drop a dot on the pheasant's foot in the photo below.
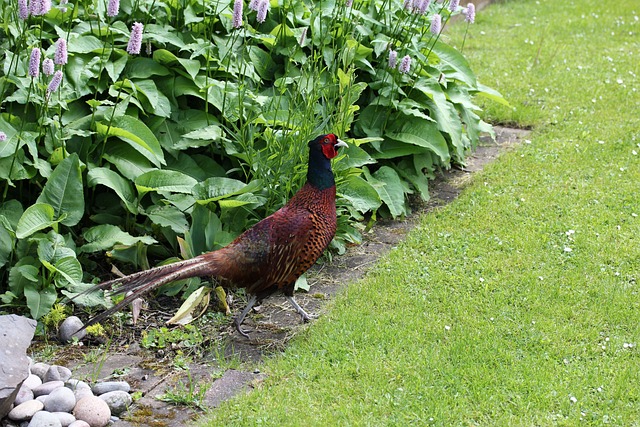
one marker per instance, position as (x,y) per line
(306,317)
(238,321)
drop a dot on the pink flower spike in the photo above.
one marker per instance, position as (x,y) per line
(424,4)
(453,5)
(237,13)
(23,9)
(408,4)
(47,67)
(436,24)
(349,3)
(135,39)
(393,58)
(40,7)
(405,64)
(470,13)
(60,57)
(63,8)
(34,62)
(113,7)
(54,84)
(3,136)
(263,8)
(253,5)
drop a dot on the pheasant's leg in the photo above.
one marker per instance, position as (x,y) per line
(240,318)
(305,316)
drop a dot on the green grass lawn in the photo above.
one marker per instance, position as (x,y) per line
(516,305)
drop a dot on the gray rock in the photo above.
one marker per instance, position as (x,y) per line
(93,410)
(16,333)
(32,381)
(25,411)
(79,423)
(118,401)
(82,392)
(65,418)
(69,329)
(47,388)
(107,386)
(42,398)
(24,395)
(75,384)
(60,400)
(44,419)
(57,373)
(40,369)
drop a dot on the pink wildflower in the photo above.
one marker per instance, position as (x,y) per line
(113,7)
(47,67)
(60,57)
(135,39)
(237,13)
(23,9)
(34,62)
(3,136)
(263,8)
(470,13)
(393,58)
(453,5)
(54,84)
(436,24)
(405,64)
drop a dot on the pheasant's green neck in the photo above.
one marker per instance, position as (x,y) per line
(319,173)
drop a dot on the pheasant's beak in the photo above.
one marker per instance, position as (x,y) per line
(340,143)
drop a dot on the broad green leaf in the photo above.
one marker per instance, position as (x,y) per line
(117,183)
(389,186)
(39,301)
(6,245)
(421,133)
(168,216)
(354,157)
(165,180)
(35,218)
(159,103)
(456,61)
(64,191)
(135,133)
(106,236)
(129,162)
(491,94)
(143,68)
(360,194)
(22,274)
(12,211)
(70,271)
(217,188)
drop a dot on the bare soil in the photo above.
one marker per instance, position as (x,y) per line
(227,363)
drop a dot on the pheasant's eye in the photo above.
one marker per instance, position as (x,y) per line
(326,141)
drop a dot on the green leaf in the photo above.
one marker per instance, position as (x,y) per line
(129,162)
(491,94)
(35,218)
(422,133)
(450,56)
(64,191)
(39,301)
(360,194)
(169,216)
(117,183)
(106,236)
(165,180)
(23,274)
(217,188)
(135,133)
(389,186)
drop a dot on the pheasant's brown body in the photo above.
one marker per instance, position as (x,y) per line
(268,257)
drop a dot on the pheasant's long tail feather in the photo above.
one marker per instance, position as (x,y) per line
(138,284)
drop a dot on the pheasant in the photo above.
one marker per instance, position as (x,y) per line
(268,257)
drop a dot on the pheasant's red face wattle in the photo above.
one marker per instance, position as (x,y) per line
(330,144)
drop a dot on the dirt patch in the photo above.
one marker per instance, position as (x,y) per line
(226,363)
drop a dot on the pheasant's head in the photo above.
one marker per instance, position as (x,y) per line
(329,145)
(321,151)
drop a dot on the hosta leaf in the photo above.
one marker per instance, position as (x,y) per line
(421,133)
(117,183)
(35,218)
(217,188)
(39,301)
(64,191)
(135,133)
(106,236)
(360,194)
(165,180)
(456,61)
(168,216)
(389,186)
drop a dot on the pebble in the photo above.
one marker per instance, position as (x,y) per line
(107,386)
(118,401)
(66,419)
(57,373)
(46,388)
(69,329)
(25,410)
(39,369)
(60,400)
(44,419)
(32,381)
(93,410)
(24,395)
